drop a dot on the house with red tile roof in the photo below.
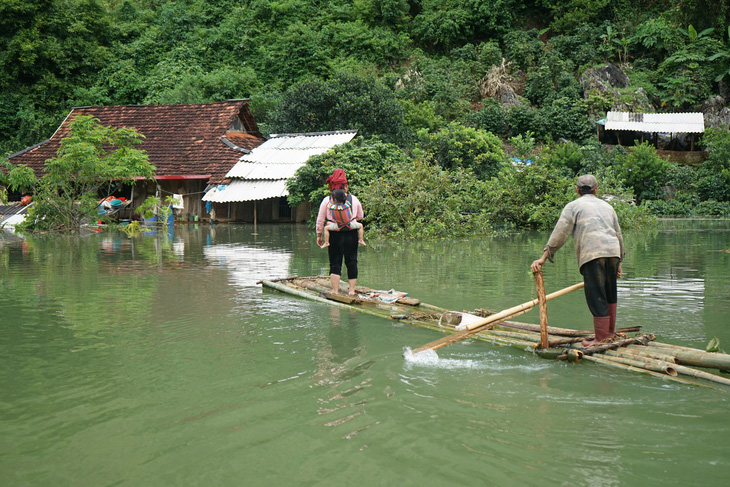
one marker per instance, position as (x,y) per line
(192,146)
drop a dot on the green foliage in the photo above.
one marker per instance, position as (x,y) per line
(523,48)
(582,47)
(522,118)
(645,171)
(225,83)
(490,118)
(452,84)
(687,74)
(49,49)
(420,200)
(363,160)
(682,205)
(529,196)
(442,25)
(723,54)
(569,14)
(565,118)
(523,146)
(564,155)
(713,176)
(656,37)
(343,102)
(383,12)
(420,116)
(457,146)
(149,206)
(91,158)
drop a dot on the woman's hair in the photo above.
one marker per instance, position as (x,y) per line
(338,195)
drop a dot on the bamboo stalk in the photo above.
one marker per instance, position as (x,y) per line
(632,353)
(563,331)
(647,363)
(542,308)
(678,347)
(533,338)
(605,361)
(646,351)
(697,358)
(681,369)
(701,374)
(290,290)
(602,347)
(565,341)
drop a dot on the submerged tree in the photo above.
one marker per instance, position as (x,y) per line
(90,158)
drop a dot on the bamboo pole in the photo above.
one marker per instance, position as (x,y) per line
(677,347)
(649,352)
(605,361)
(530,337)
(552,330)
(296,292)
(646,363)
(681,369)
(701,374)
(697,358)
(542,307)
(492,320)
(565,341)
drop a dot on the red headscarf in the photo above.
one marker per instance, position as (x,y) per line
(338,180)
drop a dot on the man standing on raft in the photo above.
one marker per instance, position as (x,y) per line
(599,247)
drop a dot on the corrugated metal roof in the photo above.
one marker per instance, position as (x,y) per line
(687,123)
(244,190)
(263,172)
(251,170)
(275,159)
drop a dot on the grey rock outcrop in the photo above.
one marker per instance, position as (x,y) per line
(604,79)
(716,112)
(608,81)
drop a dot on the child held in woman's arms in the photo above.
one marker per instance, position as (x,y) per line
(340,210)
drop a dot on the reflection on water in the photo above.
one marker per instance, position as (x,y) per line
(248,264)
(161,352)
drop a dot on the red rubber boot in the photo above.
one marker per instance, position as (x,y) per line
(600,327)
(612,321)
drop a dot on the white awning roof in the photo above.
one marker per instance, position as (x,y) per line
(247,190)
(262,173)
(664,123)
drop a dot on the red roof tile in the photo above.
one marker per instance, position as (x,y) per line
(181,140)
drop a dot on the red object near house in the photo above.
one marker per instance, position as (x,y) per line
(25,200)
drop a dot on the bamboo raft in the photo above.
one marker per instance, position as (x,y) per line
(630,349)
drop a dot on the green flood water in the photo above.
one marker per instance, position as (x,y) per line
(158,360)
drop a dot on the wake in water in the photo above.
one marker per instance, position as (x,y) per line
(429,358)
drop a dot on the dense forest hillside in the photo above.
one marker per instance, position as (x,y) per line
(434,58)
(414,74)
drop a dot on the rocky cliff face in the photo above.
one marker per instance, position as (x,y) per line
(716,112)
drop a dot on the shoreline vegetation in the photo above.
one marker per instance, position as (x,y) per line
(472,121)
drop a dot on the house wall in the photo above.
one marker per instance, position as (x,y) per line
(273,210)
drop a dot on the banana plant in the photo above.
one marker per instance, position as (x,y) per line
(725,56)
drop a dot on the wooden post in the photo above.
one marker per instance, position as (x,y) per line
(542,307)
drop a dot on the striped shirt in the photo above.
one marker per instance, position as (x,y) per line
(595,229)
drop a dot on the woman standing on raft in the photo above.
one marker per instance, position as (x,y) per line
(343,243)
